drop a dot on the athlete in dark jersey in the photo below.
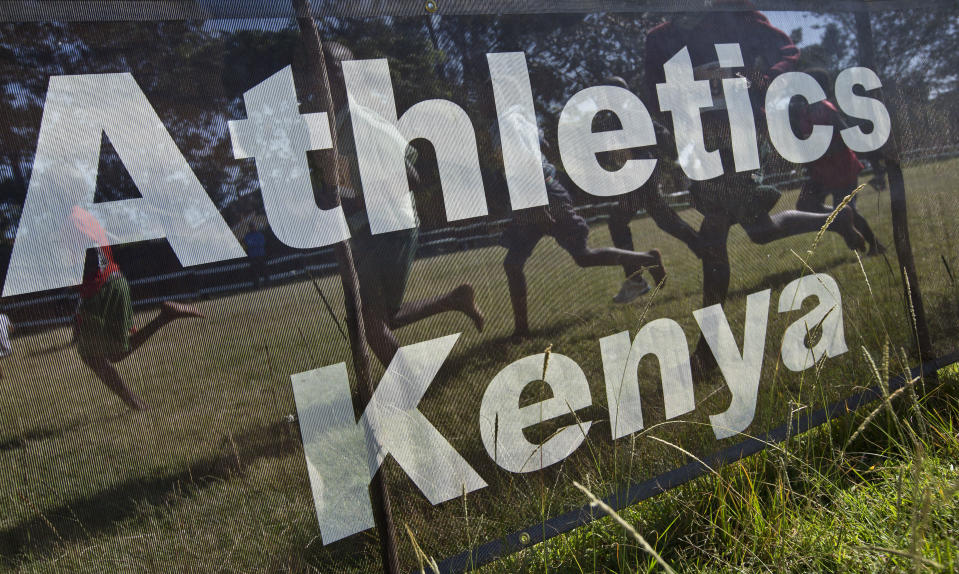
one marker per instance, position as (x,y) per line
(735,197)
(646,198)
(383,261)
(560,221)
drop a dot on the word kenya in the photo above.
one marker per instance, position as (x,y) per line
(342,454)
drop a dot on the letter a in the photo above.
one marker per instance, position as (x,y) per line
(78,111)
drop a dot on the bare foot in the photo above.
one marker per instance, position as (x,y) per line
(658,270)
(178,310)
(846,225)
(465,298)
(133,402)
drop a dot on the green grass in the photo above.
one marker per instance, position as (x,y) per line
(889,502)
(213,478)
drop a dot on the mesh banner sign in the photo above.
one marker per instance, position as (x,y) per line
(329,287)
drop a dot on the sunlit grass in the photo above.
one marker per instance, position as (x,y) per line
(214,476)
(889,502)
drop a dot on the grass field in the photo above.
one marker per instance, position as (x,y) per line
(878,492)
(213,477)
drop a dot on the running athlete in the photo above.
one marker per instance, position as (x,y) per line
(103,325)
(383,261)
(559,220)
(735,197)
(836,173)
(646,198)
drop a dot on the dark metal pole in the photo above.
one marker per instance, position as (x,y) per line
(319,85)
(897,198)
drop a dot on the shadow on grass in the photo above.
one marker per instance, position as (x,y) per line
(87,517)
(491,351)
(55,348)
(784,277)
(22,440)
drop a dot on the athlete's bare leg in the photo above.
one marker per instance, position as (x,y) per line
(619,232)
(516,281)
(169,312)
(379,335)
(662,214)
(669,221)
(788,223)
(102,366)
(714,233)
(811,201)
(606,256)
(380,325)
(106,372)
(462,299)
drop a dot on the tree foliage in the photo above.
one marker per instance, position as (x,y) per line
(194,73)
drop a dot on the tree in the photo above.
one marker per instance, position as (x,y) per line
(166,59)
